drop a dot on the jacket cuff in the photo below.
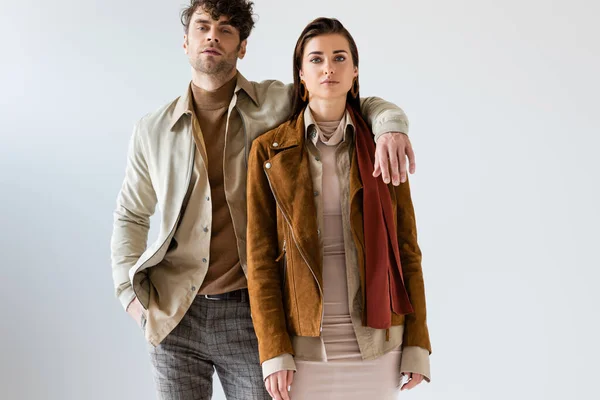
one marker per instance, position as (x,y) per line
(415,360)
(283,362)
(126,296)
(394,125)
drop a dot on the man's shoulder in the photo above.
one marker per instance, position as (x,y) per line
(271,90)
(159,118)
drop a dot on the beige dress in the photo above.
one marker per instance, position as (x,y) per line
(345,375)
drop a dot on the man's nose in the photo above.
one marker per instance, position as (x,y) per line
(213,36)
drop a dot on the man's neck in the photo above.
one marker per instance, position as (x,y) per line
(211,83)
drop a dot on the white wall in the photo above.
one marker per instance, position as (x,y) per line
(503,102)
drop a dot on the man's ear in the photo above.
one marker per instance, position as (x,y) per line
(242,51)
(185,44)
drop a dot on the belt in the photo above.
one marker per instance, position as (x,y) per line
(239,295)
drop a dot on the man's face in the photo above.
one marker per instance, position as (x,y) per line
(213,47)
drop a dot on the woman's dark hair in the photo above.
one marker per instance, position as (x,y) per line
(318,27)
(238,11)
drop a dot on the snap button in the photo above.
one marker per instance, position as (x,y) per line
(268,165)
(275,144)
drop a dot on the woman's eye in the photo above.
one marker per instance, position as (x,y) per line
(340,58)
(315,60)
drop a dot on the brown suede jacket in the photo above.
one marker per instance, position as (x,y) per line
(285,276)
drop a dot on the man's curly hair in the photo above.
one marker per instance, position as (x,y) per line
(240,13)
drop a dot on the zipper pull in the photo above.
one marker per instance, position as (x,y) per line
(282,252)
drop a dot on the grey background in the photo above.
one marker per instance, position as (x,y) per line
(503,102)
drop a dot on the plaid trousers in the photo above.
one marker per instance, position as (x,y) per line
(213,335)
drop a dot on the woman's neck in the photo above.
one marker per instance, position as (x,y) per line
(327,109)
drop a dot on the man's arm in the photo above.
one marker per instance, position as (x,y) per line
(136,203)
(388,122)
(383,116)
(390,127)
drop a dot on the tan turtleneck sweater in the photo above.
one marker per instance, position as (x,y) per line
(224,273)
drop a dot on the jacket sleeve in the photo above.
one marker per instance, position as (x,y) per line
(383,116)
(264,275)
(283,362)
(415,360)
(416,332)
(136,202)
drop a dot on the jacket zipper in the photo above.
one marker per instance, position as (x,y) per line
(300,251)
(284,256)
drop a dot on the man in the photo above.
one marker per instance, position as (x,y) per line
(188,289)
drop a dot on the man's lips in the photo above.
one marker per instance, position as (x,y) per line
(211,52)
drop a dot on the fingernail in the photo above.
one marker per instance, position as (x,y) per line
(396,182)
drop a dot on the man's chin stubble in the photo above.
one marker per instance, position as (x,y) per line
(214,70)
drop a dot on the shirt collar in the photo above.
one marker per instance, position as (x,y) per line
(185,103)
(311,129)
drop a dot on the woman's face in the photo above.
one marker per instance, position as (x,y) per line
(327,67)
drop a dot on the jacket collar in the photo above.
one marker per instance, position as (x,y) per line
(289,134)
(184,104)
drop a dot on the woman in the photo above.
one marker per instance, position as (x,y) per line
(334,268)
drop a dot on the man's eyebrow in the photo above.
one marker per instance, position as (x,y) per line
(205,21)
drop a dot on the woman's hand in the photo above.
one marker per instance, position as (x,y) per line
(413,380)
(277,384)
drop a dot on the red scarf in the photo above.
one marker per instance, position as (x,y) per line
(385,289)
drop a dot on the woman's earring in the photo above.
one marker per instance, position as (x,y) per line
(303,91)
(354,89)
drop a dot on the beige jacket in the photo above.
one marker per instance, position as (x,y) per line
(158,171)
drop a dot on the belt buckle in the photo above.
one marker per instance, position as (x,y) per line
(209,297)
